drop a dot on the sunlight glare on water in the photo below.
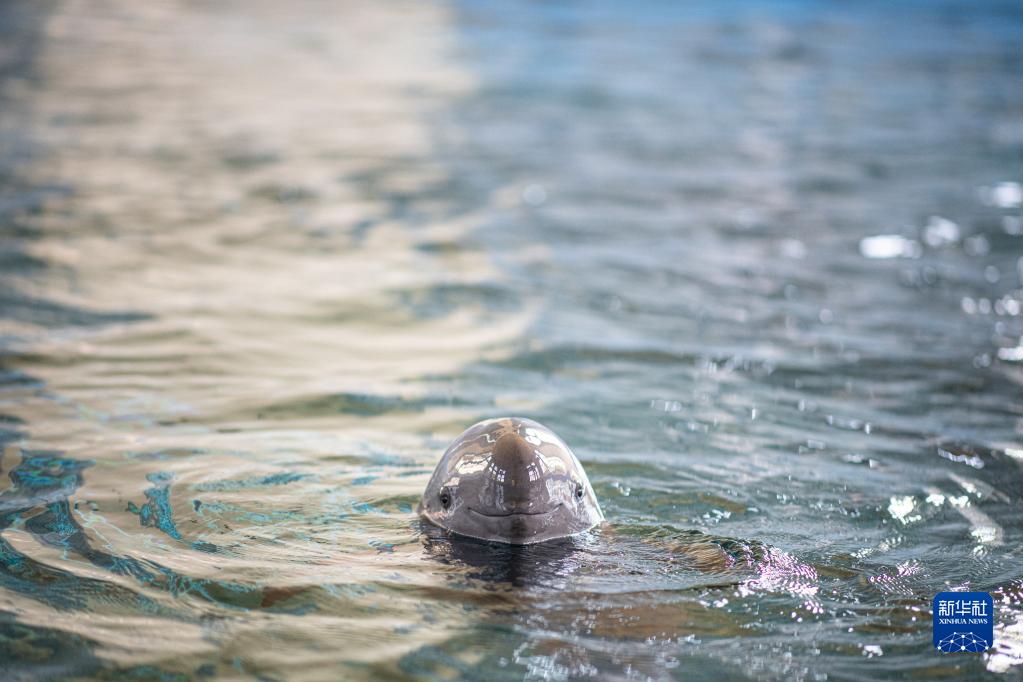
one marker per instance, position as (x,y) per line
(759,265)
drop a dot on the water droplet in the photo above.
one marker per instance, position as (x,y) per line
(1006,195)
(889,246)
(940,232)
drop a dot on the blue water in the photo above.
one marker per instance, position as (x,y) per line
(759,264)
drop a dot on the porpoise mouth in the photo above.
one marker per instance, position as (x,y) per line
(504,516)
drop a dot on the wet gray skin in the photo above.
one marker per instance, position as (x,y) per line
(510,480)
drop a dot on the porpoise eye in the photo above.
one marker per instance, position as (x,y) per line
(579,491)
(445,498)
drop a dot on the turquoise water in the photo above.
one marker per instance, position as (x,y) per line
(758,264)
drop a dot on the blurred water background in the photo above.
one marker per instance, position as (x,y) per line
(758,263)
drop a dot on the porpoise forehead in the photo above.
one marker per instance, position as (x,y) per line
(511,450)
(503,442)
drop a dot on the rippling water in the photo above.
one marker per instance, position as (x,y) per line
(759,264)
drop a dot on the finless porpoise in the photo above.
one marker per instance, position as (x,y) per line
(510,480)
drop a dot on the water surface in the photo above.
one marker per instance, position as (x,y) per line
(759,264)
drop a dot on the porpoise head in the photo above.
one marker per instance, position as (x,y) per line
(510,480)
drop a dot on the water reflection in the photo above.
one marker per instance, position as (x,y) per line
(760,266)
(584,605)
(548,565)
